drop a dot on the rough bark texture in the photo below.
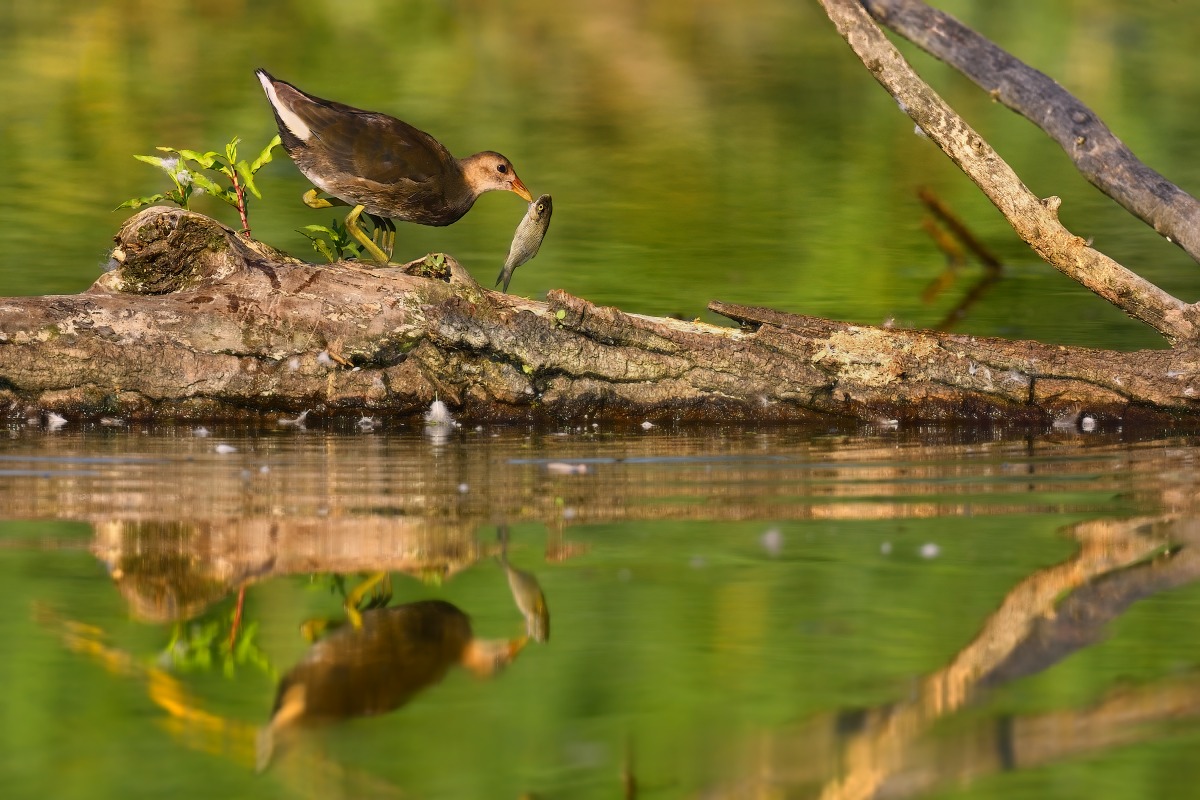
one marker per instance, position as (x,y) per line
(1099,155)
(196,321)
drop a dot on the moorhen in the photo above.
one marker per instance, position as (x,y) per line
(380,165)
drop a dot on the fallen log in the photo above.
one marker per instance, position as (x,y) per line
(195,321)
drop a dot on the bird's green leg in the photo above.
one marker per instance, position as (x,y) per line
(353,228)
(311,200)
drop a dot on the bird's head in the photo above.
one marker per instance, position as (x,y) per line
(489,172)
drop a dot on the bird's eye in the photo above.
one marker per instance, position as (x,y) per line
(502,168)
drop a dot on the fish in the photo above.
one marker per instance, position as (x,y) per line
(528,237)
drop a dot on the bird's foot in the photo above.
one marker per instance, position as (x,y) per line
(311,199)
(355,230)
(383,233)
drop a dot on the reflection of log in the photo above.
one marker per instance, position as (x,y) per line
(175,571)
(196,321)
(341,480)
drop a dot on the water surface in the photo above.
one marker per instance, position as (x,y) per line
(731,613)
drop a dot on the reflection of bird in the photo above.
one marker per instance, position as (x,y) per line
(528,237)
(380,165)
(379,667)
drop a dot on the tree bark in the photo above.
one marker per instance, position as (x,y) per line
(195,322)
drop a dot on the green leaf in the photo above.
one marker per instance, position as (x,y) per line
(162,163)
(322,247)
(209,185)
(243,169)
(266,155)
(205,160)
(138,202)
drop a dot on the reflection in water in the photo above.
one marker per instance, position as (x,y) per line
(527,594)
(889,752)
(380,666)
(157,568)
(423,518)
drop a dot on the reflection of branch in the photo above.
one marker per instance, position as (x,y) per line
(956,226)
(884,752)
(1034,220)
(1100,156)
(886,743)
(1113,545)
(946,241)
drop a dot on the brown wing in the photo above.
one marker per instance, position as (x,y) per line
(366,144)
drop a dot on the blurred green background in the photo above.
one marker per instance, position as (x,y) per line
(695,151)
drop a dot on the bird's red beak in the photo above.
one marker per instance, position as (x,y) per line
(520,189)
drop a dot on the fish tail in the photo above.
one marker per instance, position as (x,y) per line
(506,276)
(265,747)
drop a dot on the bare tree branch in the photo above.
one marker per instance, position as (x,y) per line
(1035,220)
(1100,156)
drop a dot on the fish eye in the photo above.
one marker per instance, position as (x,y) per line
(502,168)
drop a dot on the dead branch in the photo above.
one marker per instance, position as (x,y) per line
(1035,220)
(1102,158)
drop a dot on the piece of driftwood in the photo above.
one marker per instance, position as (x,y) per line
(195,321)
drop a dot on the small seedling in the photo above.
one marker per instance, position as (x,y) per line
(185,168)
(334,242)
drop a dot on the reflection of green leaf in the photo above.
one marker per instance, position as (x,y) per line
(203,645)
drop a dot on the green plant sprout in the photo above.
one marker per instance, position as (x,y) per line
(334,242)
(185,170)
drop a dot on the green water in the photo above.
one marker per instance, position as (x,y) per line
(731,613)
